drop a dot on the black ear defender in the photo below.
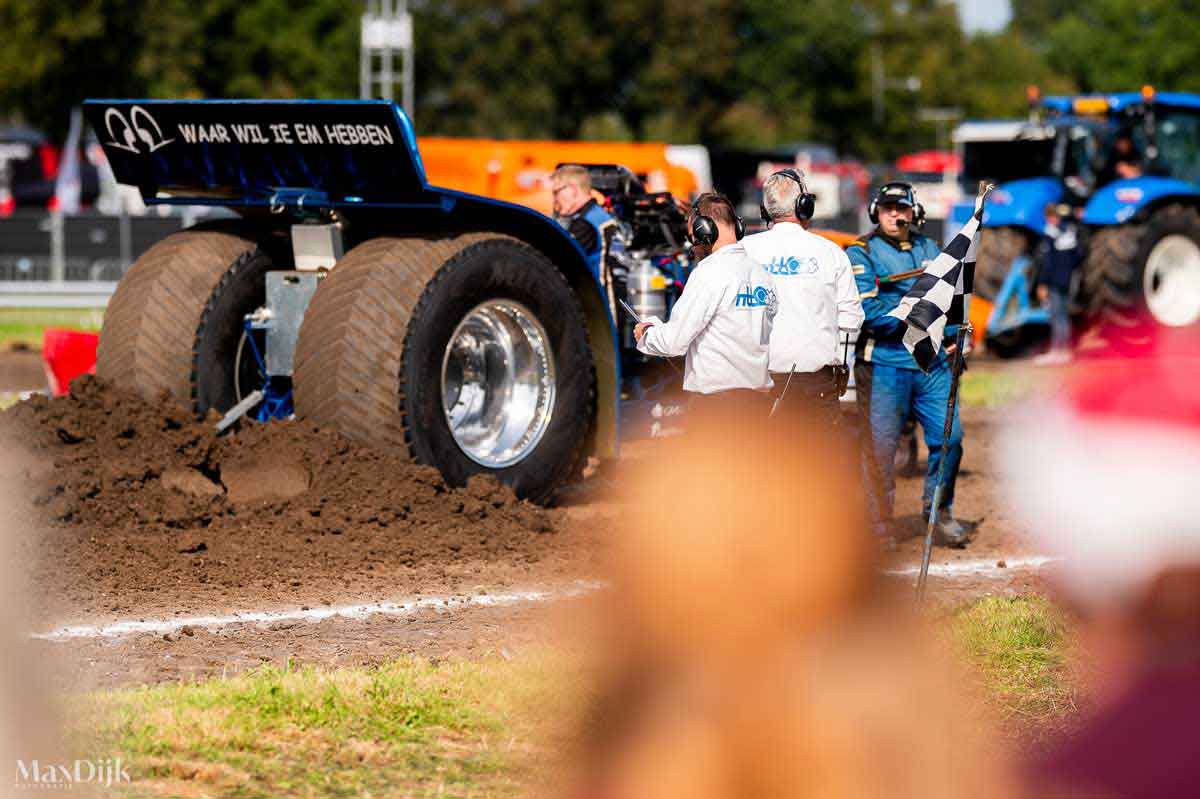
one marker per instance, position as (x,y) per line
(704,228)
(893,192)
(806,204)
(918,216)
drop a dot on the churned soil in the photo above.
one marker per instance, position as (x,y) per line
(21,370)
(135,510)
(141,510)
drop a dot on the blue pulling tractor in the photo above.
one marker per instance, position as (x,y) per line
(1131,163)
(469,333)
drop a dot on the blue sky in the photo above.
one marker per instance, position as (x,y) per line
(983,15)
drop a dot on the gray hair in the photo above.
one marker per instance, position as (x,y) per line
(573,173)
(779,196)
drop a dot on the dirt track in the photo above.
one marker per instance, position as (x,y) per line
(21,370)
(140,513)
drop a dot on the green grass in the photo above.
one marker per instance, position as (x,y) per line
(479,728)
(992,389)
(409,728)
(1020,647)
(24,326)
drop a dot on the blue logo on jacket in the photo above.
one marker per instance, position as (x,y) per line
(753,297)
(791,265)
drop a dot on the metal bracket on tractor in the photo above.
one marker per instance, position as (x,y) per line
(269,337)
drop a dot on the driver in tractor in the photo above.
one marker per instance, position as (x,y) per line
(594,228)
(1123,161)
(890,385)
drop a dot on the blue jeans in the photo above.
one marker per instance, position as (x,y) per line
(886,396)
(1060,321)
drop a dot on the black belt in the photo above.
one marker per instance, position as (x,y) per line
(824,374)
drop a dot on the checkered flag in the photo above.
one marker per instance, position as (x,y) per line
(942,292)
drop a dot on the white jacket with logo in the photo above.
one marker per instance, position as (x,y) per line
(722,322)
(814,283)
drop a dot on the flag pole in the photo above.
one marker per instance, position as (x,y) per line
(956,370)
(957,364)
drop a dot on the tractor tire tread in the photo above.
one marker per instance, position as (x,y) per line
(354,329)
(146,343)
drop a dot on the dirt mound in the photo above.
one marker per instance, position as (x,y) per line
(118,460)
(127,487)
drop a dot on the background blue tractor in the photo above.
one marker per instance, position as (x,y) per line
(1131,163)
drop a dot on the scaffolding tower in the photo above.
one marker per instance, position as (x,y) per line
(387,31)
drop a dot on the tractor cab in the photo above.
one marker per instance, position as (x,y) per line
(1154,134)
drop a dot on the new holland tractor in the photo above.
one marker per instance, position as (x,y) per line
(466,332)
(1131,163)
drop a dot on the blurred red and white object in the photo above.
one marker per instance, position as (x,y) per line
(67,184)
(1105,474)
(67,354)
(934,178)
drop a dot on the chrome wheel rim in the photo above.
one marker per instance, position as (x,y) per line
(498,380)
(1171,281)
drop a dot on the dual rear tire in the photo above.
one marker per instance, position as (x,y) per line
(467,353)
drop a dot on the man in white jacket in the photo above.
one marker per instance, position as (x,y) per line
(722,320)
(814,283)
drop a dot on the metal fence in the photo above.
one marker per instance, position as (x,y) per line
(61,261)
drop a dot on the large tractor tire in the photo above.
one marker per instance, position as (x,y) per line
(174,323)
(468,354)
(1138,278)
(998,248)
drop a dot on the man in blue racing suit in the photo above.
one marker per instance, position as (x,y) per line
(889,384)
(592,227)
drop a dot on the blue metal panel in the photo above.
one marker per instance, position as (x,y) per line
(1022,203)
(959,214)
(1012,308)
(1060,104)
(1120,201)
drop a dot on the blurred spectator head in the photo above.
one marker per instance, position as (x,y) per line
(30,726)
(1105,476)
(749,648)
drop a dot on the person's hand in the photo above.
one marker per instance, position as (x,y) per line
(951,347)
(1126,170)
(640,329)
(1043,294)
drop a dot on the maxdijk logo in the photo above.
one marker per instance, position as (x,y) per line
(106,773)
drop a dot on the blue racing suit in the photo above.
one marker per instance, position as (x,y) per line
(597,234)
(889,385)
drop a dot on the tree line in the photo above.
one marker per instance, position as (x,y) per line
(734,73)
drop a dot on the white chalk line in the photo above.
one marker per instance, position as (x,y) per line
(976,568)
(311,615)
(970,568)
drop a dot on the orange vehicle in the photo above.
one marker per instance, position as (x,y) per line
(517,170)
